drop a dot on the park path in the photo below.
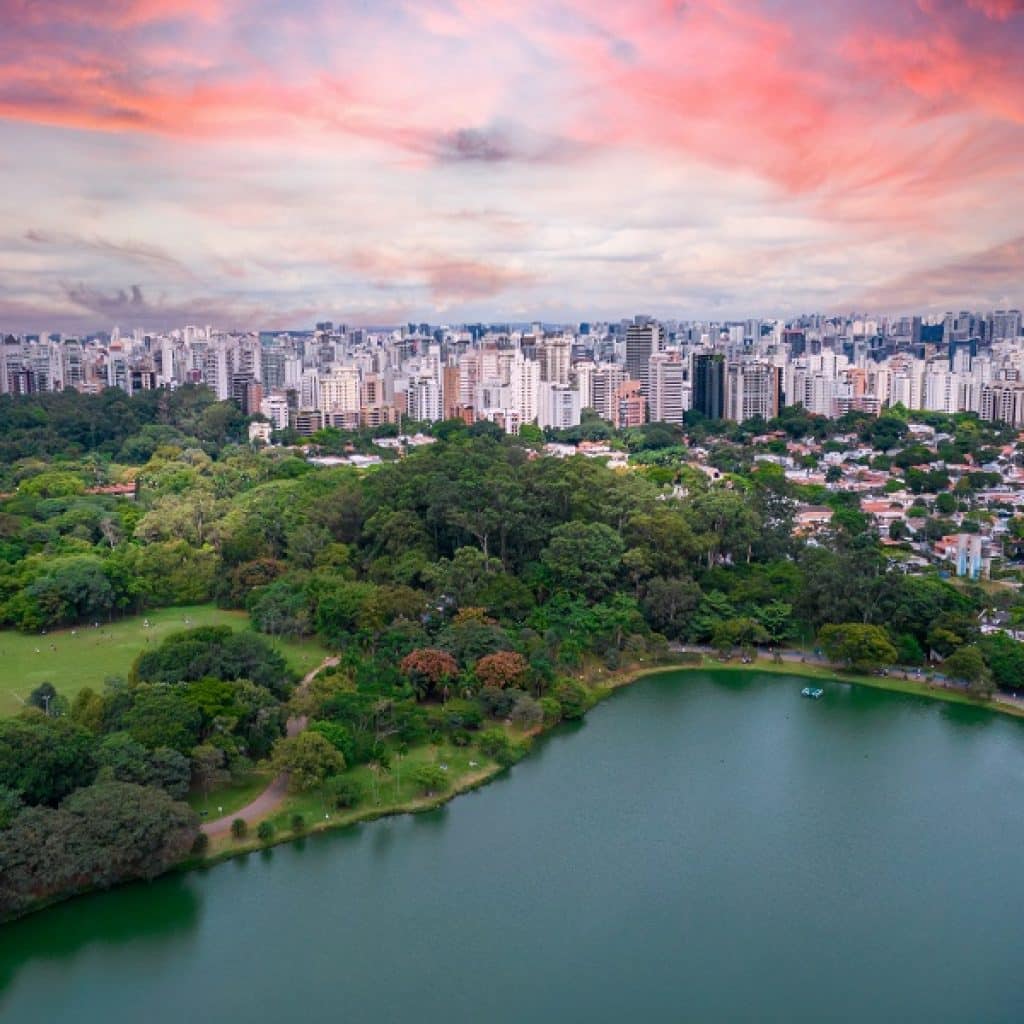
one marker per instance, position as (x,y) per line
(273,796)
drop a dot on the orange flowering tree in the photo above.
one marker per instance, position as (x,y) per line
(501,669)
(429,669)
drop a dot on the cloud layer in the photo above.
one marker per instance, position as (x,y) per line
(246,163)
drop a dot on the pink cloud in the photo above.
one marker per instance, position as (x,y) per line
(998,10)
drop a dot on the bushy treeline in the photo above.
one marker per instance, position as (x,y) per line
(90,793)
(127,428)
(560,548)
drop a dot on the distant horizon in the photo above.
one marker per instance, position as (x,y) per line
(127,329)
(208,161)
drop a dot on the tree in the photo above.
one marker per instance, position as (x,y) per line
(160,716)
(726,523)
(573,698)
(43,760)
(308,759)
(100,835)
(265,831)
(859,646)
(339,736)
(343,791)
(215,652)
(504,668)
(968,664)
(495,744)
(87,709)
(430,778)
(527,713)
(428,669)
(777,619)
(123,758)
(43,697)
(1005,658)
(74,589)
(464,576)
(239,828)
(668,604)
(739,632)
(583,557)
(10,805)
(208,767)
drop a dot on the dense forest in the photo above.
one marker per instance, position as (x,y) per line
(466,585)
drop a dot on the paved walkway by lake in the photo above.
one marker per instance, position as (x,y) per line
(271,799)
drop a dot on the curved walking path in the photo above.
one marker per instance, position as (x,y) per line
(273,796)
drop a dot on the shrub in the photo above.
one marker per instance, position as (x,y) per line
(499,703)
(431,778)
(527,713)
(343,792)
(552,710)
(308,758)
(572,698)
(495,744)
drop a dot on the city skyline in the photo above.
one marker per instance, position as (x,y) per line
(266,164)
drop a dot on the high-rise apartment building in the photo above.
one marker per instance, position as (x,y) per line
(709,384)
(642,341)
(751,389)
(669,390)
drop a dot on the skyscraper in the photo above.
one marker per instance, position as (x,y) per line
(752,389)
(641,343)
(709,384)
(669,394)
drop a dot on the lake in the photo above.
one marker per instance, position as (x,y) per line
(705,847)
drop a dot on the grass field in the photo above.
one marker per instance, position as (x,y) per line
(73,659)
(232,797)
(390,793)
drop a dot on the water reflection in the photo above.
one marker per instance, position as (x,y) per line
(135,914)
(431,820)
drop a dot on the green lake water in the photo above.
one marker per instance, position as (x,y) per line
(705,847)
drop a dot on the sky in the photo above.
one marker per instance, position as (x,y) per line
(270,163)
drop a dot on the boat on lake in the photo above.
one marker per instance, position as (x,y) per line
(814,692)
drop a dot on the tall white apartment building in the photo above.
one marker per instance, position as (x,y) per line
(423,399)
(669,390)
(339,390)
(559,406)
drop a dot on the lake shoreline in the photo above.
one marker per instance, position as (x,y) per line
(602,687)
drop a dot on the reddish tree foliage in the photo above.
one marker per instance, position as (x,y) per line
(503,668)
(428,667)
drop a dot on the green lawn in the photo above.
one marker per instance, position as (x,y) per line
(395,792)
(231,797)
(394,788)
(72,660)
